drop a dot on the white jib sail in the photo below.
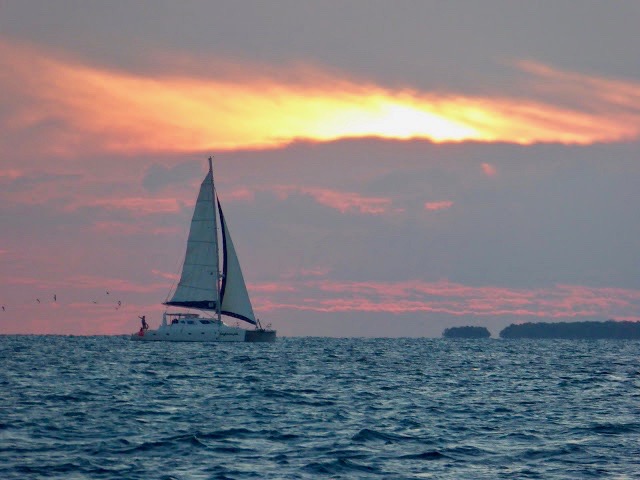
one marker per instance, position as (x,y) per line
(235,298)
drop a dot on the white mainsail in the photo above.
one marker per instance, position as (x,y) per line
(198,285)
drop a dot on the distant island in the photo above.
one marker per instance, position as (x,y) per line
(466,332)
(574,330)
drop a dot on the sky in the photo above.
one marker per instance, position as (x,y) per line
(387,169)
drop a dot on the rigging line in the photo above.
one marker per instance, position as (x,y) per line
(172,288)
(215,233)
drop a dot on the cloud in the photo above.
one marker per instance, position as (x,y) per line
(489,169)
(435,206)
(158,177)
(114,228)
(169,276)
(560,302)
(85,282)
(29,187)
(315,293)
(273,287)
(70,107)
(344,202)
(242,194)
(591,93)
(10,174)
(138,205)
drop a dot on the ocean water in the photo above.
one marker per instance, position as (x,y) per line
(308,408)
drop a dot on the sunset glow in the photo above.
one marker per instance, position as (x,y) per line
(320,295)
(97,109)
(385,175)
(559,302)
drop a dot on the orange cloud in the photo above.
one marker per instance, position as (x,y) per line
(71,107)
(435,206)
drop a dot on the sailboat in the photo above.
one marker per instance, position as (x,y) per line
(205,287)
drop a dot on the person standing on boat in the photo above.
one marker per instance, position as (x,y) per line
(143,318)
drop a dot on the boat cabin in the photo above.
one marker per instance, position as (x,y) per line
(184,319)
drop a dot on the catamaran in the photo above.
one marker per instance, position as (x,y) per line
(204,287)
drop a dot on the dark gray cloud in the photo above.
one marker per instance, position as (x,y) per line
(158,176)
(551,214)
(427,45)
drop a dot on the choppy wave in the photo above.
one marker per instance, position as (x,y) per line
(306,408)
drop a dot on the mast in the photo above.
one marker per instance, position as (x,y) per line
(215,233)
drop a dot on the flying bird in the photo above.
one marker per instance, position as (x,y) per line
(3,308)
(38,300)
(55,298)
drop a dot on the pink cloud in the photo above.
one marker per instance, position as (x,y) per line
(242,194)
(314,272)
(272,287)
(39,187)
(11,174)
(138,205)
(121,228)
(314,294)
(306,272)
(168,276)
(435,206)
(344,202)
(558,302)
(82,282)
(489,169)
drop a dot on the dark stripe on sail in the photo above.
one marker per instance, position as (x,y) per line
(224,253)
(197,304)
(238,316)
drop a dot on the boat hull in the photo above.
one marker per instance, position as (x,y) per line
(260,335)
(195,329)
(213,332)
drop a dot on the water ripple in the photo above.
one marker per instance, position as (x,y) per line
(307,408)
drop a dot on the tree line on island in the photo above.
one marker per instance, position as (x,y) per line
(567,330)
(466,332)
